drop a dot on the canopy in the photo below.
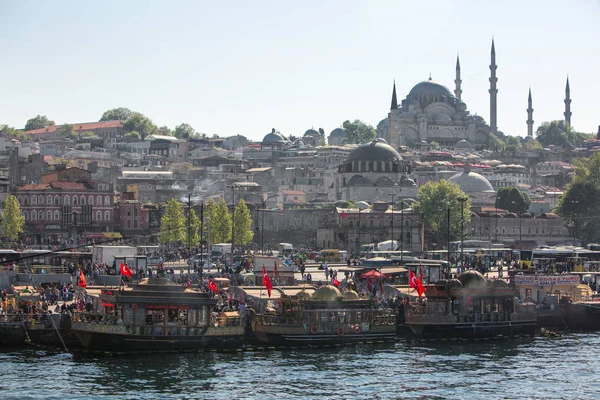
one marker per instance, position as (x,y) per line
(373,274)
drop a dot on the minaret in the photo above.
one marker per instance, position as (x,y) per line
(567,104)
(394,98)
(457,81)
(493,91)
(529,116)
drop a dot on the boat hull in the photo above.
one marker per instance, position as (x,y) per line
(471,330)
(12,334)
(294,335)
(574,316)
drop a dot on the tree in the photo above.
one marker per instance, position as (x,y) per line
(173,223)
(580,209)
(358,132)
(66,130)
(184,131)
(12,220)
(532,144)
(220,223)
(116,114)
(558,133)
(513,144)
(434,199)
(165,131)
(495,143)
(9,131)
(140,123)
(86,134)
(133,134)
(242,218)
(194,230)
(38,122)
(512,199)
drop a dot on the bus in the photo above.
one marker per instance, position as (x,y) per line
(285,249)
(328,255)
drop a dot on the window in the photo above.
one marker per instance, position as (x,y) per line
(82,202)
(48,215)
(91,200)
(67,200)
(49,200)
(74,200)
(106,201)
(56,215)
(98,216)
(34,215)
(40,199)
(34,200)
(25,215)
(99,201)
(56,201)
(107,216)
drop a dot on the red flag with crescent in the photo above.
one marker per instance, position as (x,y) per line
(267,281)
(415,283)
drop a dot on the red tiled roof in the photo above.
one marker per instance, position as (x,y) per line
(292,192)
(85,126)
(43,186)
(67,185)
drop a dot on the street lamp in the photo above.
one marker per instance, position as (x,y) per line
(232,187)
(262,229)
(462,229)
(401,231)
(392,231)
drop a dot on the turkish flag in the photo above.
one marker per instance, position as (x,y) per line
(267,281)
(415,283)
(212,286)
(336,283)
(126,271)
(343,214)
(82,282)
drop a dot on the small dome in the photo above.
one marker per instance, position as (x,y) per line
(374,151)
(311,132)
(472,278)
(337,132)
(341,204)
(362,205)
(441,284)
(381,140)
(407,183)
(303,295)
(273,137)
(327,293)
(471,182)
(499,283)
(463,144)
(350,295)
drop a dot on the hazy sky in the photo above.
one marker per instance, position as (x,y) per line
(245,67)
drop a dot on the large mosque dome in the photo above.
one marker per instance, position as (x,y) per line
(337,132)
(273,137)
(471,182)
(429,88)
(374,151)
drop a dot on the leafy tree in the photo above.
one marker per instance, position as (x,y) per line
(66,130)
(242,218)
(558,133)
(116,114)
(587,170)
(194,230)
(580,209)
(513,144)
(134,134)
(220,223)
(140,123)
(184,131)
(165,131)
(173,223)
(512,199)
(12,220)
(495,143)
(38,122)
(532,144)
(358,132)
(9,131)
(433,201)
(86,134)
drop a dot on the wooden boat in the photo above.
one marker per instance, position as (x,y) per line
(325,317)
(469,307)
(157,315)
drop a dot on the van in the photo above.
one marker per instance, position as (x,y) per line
(329,255)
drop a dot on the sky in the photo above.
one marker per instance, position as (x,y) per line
(237,67)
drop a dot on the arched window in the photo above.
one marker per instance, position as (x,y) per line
(98,216)
(56,200)
(99,201)
(34,215)
(107,216)
(74,200)
(40,199)
(91,201)
(56,215)
(106,201)
(82,202)
(25,215)
(67,200)
(34,200)
(49,200)
(48,215)
(20,200)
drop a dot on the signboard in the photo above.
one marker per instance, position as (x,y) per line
(545,280)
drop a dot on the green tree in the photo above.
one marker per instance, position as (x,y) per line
(38,122)
(194,230)
(242,218)
(173,223)
(184,131)
(513,144)
(358,132)
(11,132)
(433,201)
(116,114)
(86,134)
(220,223)
(558,133)
(12,220)
(512,199)
(66,130)
(165,131)
(134,134)
(532,144)
(140,123)
(495,143)
(580,208)
(587,170)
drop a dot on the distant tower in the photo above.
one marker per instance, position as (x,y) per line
(493,92)
(394,98)
(529,116)
(568,104)
(457,81)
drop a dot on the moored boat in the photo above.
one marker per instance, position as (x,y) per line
(324,317)
(157,315)
(469,307)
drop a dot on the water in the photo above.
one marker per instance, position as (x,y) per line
(561,368)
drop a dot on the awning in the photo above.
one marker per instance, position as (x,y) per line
(113,235)
(95,235)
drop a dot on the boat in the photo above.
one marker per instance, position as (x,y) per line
(327,316)
(469,307)
(156,315)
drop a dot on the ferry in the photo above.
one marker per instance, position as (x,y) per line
(327,316)
(469,307)
(156,315)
